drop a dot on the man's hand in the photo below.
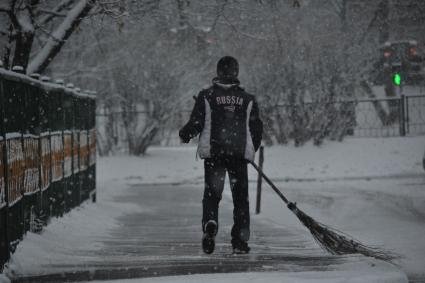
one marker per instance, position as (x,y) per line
(184,138)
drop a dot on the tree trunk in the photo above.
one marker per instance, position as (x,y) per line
(146,141)
(380,111)
(24,41)
(8,48)
(384,28)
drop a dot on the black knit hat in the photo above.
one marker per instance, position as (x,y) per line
(227,67)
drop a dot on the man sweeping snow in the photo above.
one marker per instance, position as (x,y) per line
(228,120)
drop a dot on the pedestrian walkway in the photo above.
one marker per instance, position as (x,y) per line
(164,239)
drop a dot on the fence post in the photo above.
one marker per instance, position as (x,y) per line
(4,246)
(259,180)
(93,127)
(402,120)
(407,115)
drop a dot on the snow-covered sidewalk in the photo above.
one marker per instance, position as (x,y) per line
(370,188)
(378,275)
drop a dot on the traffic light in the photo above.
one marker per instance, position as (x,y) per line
(397,79)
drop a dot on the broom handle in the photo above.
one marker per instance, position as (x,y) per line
(269,182)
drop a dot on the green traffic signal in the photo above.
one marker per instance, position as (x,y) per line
(397,79)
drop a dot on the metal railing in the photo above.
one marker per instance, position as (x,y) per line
(415,114)
(377,117)
(374,117)
(400,116)
(47,154)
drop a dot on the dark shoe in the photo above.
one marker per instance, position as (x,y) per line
(240,247)
(208,239)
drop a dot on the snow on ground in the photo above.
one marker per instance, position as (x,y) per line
(72,238)
(159,165)
(369,188)
(389,214)
(356,157)
(377,275)
(351,158)
(385,209)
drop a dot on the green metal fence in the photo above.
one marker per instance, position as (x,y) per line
(47,154)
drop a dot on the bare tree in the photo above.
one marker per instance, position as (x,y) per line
(147,103)
(37,30)
(301,58)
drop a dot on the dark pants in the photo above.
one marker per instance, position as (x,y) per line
(215,170)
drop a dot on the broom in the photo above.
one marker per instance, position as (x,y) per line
(331,240)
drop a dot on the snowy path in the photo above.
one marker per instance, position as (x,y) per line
(162,238)
(372,189)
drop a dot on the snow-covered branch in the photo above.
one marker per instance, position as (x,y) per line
(52,13)
(59,36)
(64,4)
(113,8)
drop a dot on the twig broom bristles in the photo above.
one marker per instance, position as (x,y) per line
(331,240)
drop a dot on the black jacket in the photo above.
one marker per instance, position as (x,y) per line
(228,120)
